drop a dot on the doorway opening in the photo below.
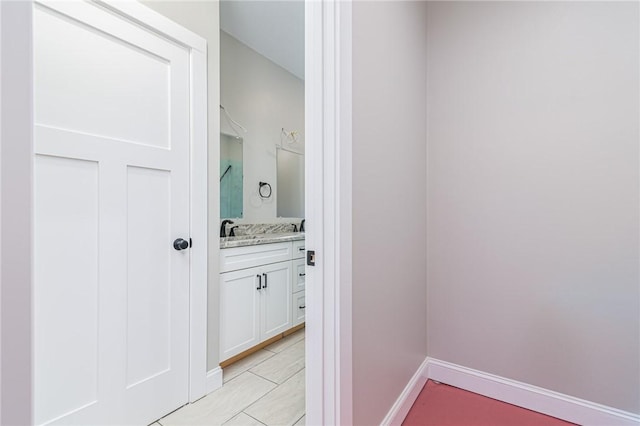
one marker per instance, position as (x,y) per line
(257,177)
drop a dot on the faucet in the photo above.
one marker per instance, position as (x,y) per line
(233,231)
(302,225)
(223,227)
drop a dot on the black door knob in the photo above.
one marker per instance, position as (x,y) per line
(180,244)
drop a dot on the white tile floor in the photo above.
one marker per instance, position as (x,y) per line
(265,388)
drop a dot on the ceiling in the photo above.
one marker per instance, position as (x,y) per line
(275,29)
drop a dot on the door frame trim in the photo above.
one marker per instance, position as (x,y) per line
(328,93)
(153,21)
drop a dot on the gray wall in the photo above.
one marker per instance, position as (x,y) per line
(202,17)
(389,181)
(533,194)
(16,156)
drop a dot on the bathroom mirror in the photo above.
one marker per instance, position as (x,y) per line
(290,183)
(262,102)
(231,176)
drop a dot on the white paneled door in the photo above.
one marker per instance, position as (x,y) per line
(112,129)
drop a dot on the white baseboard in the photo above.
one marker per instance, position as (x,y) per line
(403,404)
(528,396)
(214,380)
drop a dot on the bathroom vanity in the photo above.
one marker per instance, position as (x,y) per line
(262,281)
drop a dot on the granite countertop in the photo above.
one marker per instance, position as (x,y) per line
(256,239)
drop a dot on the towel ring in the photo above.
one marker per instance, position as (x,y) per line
(264,193)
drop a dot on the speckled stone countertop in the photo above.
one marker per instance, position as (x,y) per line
(246,229)
(256,239)
(260,233)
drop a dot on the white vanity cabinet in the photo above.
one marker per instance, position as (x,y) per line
(298,308)
(239,311)
(298,249)
(275,312)
(256,292)
(299,273)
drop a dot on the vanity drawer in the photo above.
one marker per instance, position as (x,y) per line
(298,249)
(232,259)
(298,308)
(298,271)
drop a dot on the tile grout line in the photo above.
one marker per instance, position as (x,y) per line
(248,369)
(268,380)
(263,378)
(257,400)
(271,381)
(285,380)
(280,341)
(250,404)
(263,396)
(277,385)
(257,419)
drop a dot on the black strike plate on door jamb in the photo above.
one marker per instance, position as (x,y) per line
(311,257)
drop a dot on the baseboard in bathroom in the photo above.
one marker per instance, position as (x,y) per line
(403,404)
(214,380)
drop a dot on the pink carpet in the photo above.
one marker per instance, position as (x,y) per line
(443,405)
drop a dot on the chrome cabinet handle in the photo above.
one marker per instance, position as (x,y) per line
(259,282)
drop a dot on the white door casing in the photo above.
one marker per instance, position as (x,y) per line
(113,129)
(328,190)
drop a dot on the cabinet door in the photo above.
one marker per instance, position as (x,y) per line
(239,311)
(298,275)
(276,299)
(298,308)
